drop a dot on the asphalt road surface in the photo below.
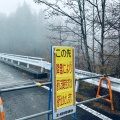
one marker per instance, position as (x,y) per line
(30,101)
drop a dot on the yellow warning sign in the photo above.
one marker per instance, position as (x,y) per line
(63,77)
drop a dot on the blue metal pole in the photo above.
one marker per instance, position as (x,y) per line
(75,118)
(49,100)
(50,90)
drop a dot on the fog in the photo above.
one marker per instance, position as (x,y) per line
(23,32)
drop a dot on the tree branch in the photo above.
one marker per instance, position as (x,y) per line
(57,8)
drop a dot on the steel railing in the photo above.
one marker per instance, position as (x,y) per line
(48,111)
(40,62)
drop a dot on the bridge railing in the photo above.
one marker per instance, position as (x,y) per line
(37,58)
(28,60)
(40,62)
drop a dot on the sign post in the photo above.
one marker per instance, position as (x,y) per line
(63,81)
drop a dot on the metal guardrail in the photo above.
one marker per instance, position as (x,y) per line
(115,82)
(50,111)
(37,84)
(36,61)
(24,87)
(45,112)
(22,56)
(28,60)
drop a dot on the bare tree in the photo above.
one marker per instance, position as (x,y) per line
(78,18)
(80,15)
(113,21)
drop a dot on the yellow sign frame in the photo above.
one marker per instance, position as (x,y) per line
(63,71)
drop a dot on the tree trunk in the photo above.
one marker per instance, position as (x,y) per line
(102,38)
(83,30)
(93,40)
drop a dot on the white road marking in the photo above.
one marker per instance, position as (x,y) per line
(97,114)
(46,87)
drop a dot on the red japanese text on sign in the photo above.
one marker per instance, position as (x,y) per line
(64,99)
(64,84)
(63,68)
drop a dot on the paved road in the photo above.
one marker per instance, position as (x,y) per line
(12,77)
(22,103)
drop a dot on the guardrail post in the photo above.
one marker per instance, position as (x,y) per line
(41,70)
(11,61)
(77,86)
(27,65)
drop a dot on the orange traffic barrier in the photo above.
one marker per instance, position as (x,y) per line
(110,91)
(2,116)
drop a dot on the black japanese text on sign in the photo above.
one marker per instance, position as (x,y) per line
(64,78)
(63,53)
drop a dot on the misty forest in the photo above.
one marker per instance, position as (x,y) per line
(22,33)
(92,27)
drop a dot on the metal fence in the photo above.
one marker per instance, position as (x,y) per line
(2,117)
(40,62)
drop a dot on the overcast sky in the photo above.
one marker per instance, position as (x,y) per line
(8,6)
